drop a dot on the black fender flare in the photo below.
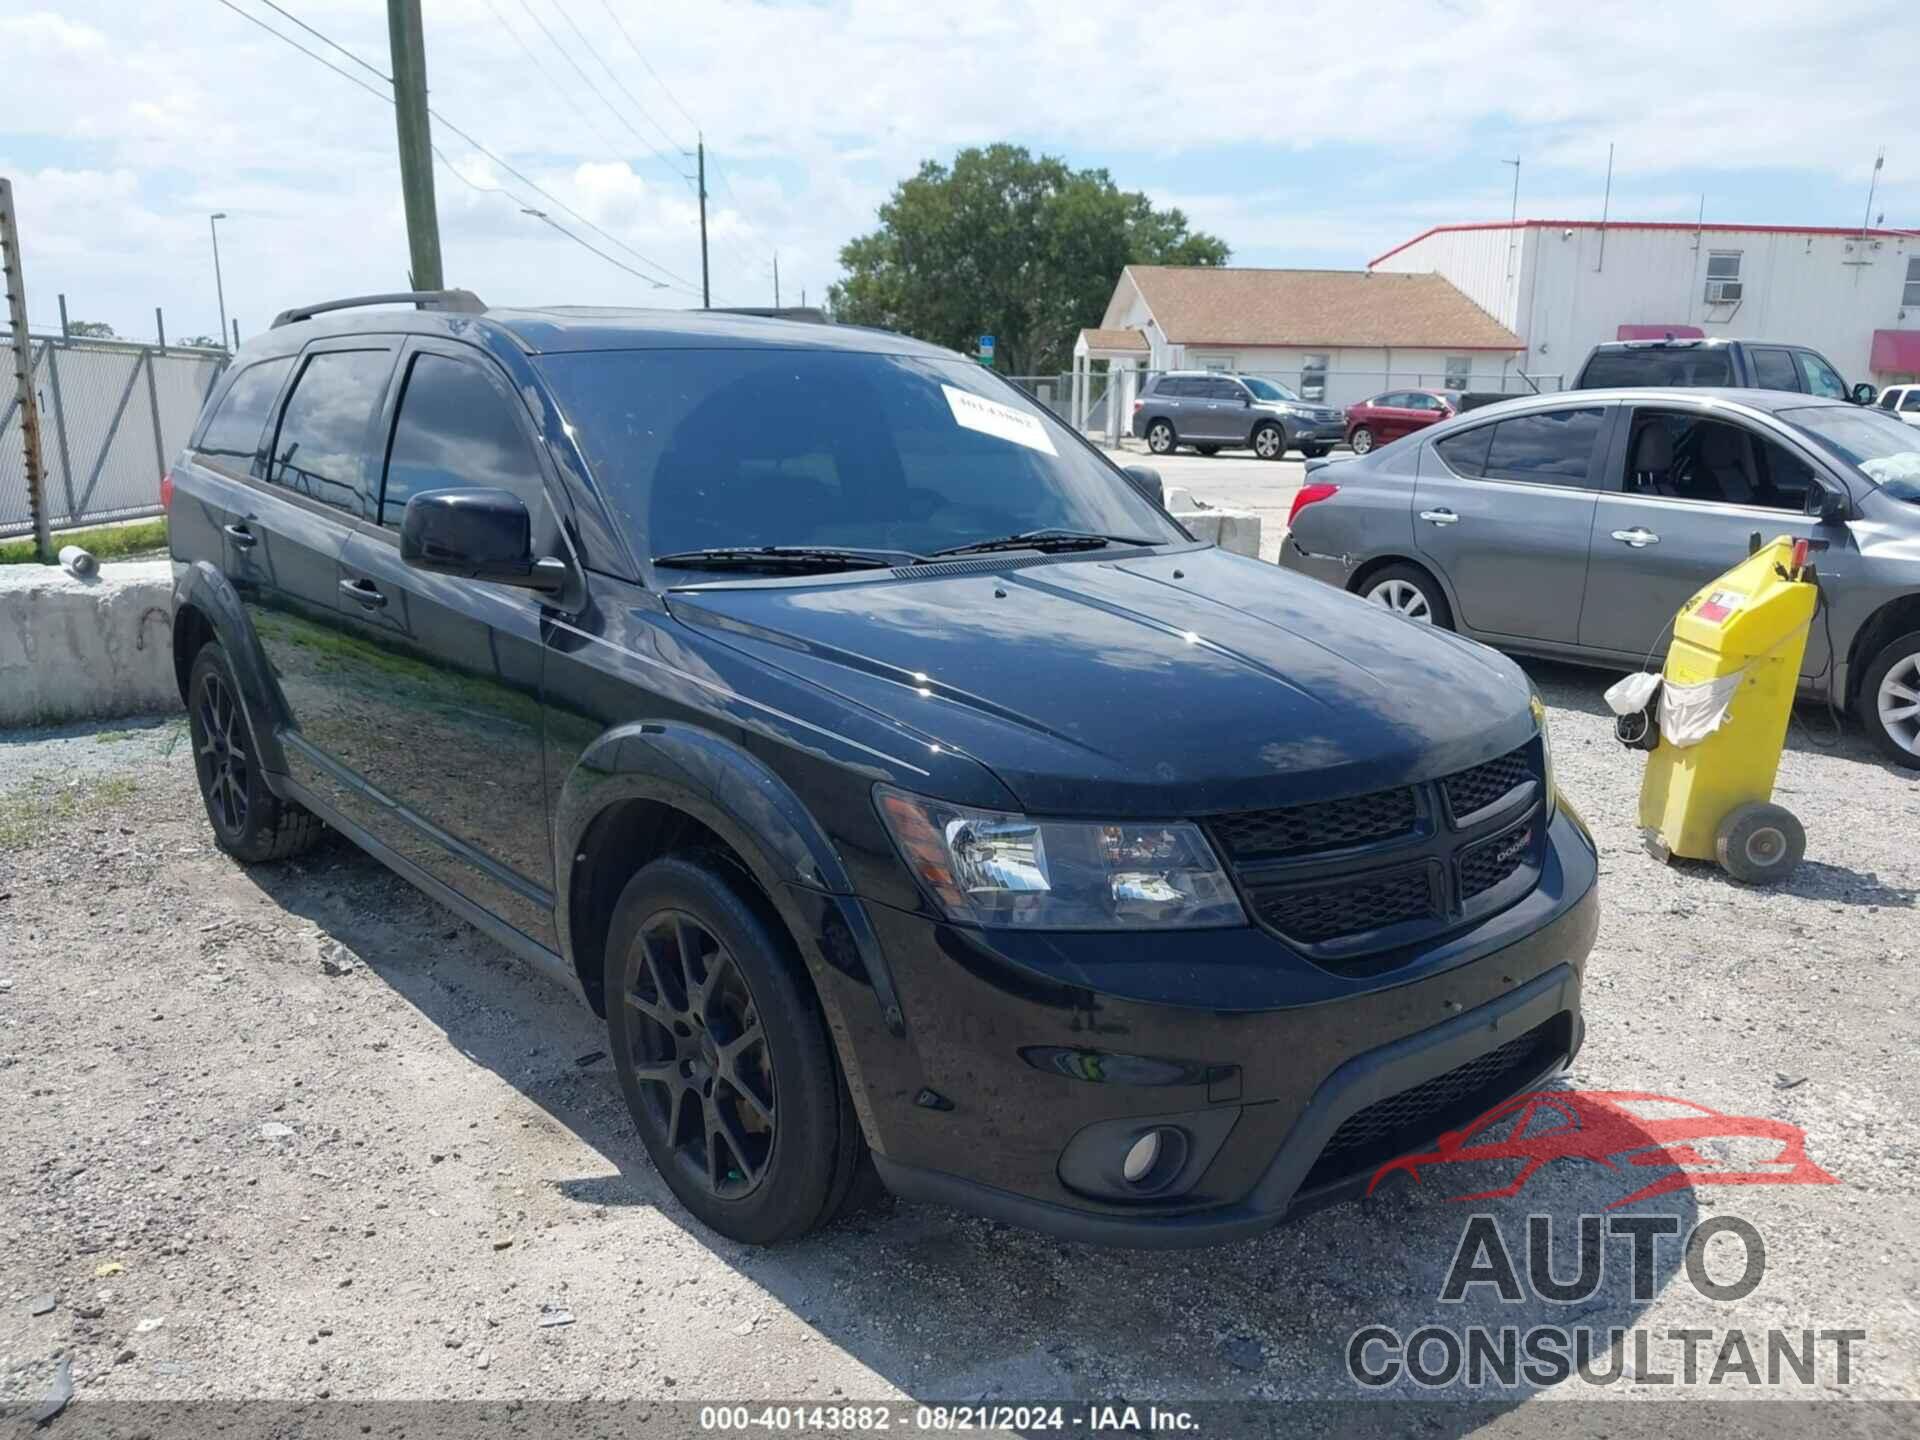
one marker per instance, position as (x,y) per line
(740,799)
(201,587)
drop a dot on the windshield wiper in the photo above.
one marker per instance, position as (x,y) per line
(785,557)
(1048,541)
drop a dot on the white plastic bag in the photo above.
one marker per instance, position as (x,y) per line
(1633,694)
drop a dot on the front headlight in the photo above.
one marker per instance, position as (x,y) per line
(984,867)
(1539,708)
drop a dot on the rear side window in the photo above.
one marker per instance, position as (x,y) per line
(1774,370)
(321,451)
(234,431)
(1657,367)
(1465,451)
(455,431)
(1555,448)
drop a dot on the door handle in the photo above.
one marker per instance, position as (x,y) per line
(242,537)
(1440,517)
(1639,537)
(364,592)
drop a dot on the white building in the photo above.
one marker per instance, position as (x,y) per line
(1563,286)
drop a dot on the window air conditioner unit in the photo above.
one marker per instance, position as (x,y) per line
(1722,292)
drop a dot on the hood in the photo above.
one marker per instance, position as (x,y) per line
(1173,684)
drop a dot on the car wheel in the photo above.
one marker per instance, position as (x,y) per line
(1208,449)
(1314,452)
(250,822)
(1760,843)
(723,1053)
(1410,593)
(1160,439)
(1269,441)
(1890,699)
(1361,440)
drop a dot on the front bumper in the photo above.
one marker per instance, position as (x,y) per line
(1317,432)
(1022,1045)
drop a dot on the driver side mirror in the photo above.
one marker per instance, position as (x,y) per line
(1864,393)
(1828,506)
(476,535)
(1146,480)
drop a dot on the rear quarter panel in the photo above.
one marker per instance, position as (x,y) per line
(1373,513)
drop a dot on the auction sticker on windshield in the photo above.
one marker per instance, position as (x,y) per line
(990,417)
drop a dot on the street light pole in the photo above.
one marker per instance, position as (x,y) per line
(219,286)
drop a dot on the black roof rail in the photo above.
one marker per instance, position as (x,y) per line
(810,314)
(461,302)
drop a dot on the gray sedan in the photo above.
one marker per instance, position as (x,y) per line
(1575,525)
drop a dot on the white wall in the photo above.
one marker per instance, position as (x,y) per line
(1353,374)
(1827,291)
(1486,266)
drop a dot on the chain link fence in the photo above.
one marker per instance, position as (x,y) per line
(112,414)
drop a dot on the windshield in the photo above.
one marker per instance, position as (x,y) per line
(1884,449)
(703,449)
(1267,389)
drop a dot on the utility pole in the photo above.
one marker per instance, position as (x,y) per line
(1873,184)
(416,142)
(706,293)
(1513,219)
(776,279)
(219,285)
(27,397)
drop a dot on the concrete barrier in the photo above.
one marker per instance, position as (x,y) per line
(1235,530)
(74,649)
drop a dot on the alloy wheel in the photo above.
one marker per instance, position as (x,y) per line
(1404,598)
(1899,703)
(1362,440)
(1160,437)
(700,1054)
(1267,443)
(221,753)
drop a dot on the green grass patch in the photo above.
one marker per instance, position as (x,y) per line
(105,542)
(30,812)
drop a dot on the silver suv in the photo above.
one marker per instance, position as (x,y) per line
(1575,525)
(1212,411)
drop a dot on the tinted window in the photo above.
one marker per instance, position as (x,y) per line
(1714,461)
(1890,399)
(702,448)
(1175,387)
(1774,370)
(321,451)
(1820,377)
(1911,402)
(1466,451)
(1225,390)
(235,430)
(455,430)
(1657,367)
(1552,449)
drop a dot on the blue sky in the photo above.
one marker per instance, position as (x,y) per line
(125,124)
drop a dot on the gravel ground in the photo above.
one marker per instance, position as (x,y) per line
(295,1132)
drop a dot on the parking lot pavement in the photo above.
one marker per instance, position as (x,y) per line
(294,1131)
(1235,481)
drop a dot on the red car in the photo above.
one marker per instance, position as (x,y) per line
(1396,413)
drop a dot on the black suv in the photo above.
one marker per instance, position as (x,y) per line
(905,789)
(1716,363)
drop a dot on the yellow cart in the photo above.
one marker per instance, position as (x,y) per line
(1726,698)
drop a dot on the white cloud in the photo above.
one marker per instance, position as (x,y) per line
(127,122)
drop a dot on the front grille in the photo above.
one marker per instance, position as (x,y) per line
(1479,787)
(1374,901)
(1327,825)
(1400,1123)
(1485,865)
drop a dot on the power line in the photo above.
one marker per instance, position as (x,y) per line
(324,40)
(587,80)
(639,55)
(683,285)
(594,51)
(545,74)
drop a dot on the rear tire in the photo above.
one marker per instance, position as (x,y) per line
(724,1056)
(249,821)
(1409,592)
(1759,844)
(1270,441)
(1361,440)
(1160,438)
(1889,701)
(1314,452)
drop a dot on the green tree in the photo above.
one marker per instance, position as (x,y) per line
(1001,243)
(90,330)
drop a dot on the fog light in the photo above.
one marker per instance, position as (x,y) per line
(1141,1158)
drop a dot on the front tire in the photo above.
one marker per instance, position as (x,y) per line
(1410,593)
(1270,441)
(1314,452)
(1160,438)
(249,821)
(723,1053)
(1361,440)
(1890,699)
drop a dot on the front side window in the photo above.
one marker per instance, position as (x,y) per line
(1553,448)
(1715,462)
(454,431)
(1268,389)
(234,432)
(1313,377)
(1885,450)
(1459,371)
(1820,376)
(1228,390)
(702,449)
(1775,370)
(321,451)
